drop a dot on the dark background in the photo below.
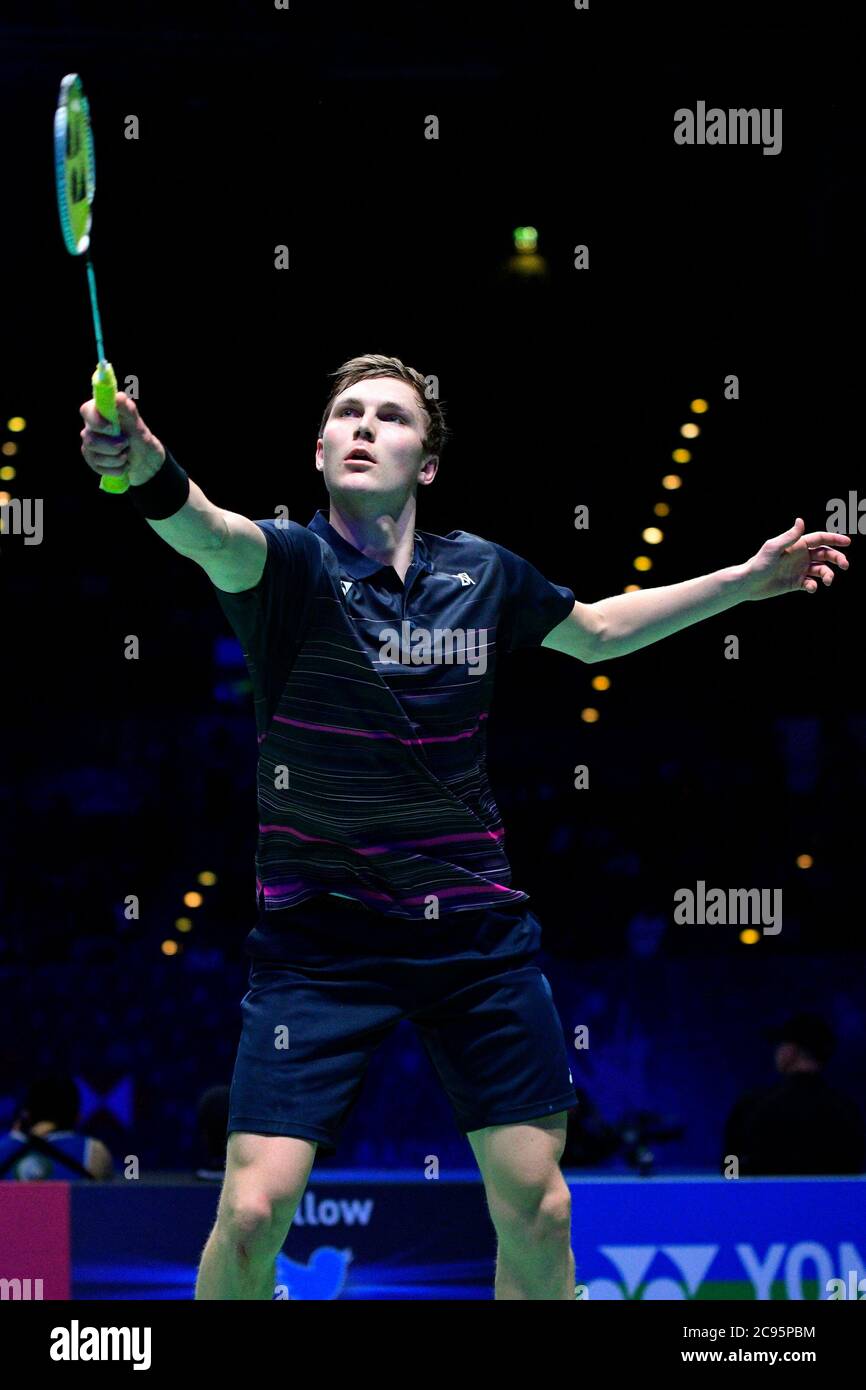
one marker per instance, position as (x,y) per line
(306,128)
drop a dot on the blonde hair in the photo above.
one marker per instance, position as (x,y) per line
(373,364)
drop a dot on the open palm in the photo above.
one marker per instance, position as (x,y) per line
(795,560)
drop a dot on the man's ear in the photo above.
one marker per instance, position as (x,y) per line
(430,465)
(320,459)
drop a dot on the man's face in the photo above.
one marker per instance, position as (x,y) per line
(382,417)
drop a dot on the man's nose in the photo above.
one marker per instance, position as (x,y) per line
(364,428)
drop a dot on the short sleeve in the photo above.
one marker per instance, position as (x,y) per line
(531,605)
(269,618)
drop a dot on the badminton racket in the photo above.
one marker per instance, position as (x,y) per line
(75,173)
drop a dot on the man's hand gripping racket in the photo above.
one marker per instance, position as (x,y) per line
(120,450)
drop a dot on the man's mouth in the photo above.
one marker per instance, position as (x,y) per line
(360,455)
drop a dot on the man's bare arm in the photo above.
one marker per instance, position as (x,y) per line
(235,551)
(624,623)
(578,634)
(230,548)
(792,561)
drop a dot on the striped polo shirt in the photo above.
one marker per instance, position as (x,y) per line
(371,701)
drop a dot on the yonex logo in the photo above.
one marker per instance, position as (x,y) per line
(789,1265)
(346,585)
(633,1263)
(464,577)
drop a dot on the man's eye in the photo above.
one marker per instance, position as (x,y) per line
(344,410)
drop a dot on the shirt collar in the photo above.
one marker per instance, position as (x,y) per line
(355,562)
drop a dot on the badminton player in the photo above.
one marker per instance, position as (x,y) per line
(383,890)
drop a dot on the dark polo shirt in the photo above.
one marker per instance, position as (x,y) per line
(371,701)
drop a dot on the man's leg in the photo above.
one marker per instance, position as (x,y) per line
(530,1205)
(265,1179)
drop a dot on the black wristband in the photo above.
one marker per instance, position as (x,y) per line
(163,494)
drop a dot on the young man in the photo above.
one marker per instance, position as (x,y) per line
(383,890)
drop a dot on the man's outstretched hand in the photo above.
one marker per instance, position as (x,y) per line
(795,560)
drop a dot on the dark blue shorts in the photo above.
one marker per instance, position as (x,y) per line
(330,983)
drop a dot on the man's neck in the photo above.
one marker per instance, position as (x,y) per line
(386,539)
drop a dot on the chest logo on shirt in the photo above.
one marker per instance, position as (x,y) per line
(346,585)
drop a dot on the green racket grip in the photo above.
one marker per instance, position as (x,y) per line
(104,384)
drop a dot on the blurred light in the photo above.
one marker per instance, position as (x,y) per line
(525,240)
(642,562)
(672,481)
(749,936)
(804,861)
(7,472)
(661,509)
(700,407)
(631,588)
(192,899)
(16,424)
(4,498)
(183,924)
(527,264)
(601,682)
(589,716)
(228,653)
(681,456)
(652,535)
(690,431)
(169,948)
(231,692)
(207,877)
(9,447)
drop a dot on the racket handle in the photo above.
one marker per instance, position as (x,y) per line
(104,384)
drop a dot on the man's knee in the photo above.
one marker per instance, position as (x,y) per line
(255,1226)
(265,1180)
(538,1210)
(557,1207)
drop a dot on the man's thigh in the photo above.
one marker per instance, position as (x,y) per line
(306,1041)
(499,1049)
